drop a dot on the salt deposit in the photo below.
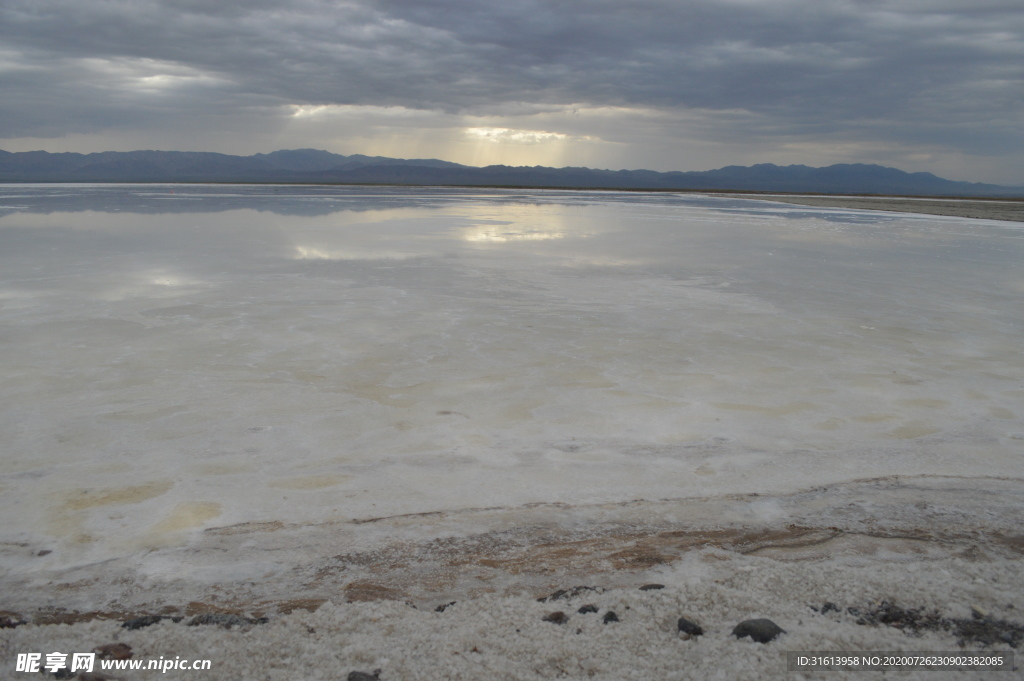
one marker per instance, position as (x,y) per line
(285,393)
(507,637)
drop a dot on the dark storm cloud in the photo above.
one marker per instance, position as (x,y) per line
(942,72)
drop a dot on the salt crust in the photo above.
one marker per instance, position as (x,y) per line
(504,637)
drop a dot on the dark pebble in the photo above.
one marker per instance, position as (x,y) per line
(589,607)
(761,630)
(988,631)
(363,676)
(10,622)
(610,616)
(981,628)
(689,627)
(556,617)
(44,552)
(652,587)
(442,608)
(224,620)
(144,621)
(566,593)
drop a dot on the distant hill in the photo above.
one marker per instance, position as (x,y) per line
(312,160)
(294,165)
(320,167)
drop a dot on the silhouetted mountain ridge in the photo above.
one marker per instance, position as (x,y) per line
(317,166)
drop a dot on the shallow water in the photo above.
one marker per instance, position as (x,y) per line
(178,358)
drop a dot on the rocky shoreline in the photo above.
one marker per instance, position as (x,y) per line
(737,615)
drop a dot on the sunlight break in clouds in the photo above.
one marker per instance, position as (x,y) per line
(508,135)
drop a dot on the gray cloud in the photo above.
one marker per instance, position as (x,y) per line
(931,76)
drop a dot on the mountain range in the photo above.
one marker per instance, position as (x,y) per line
(321,167)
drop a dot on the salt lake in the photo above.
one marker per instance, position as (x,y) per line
(182,359)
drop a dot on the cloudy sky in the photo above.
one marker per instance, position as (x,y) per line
(933,85)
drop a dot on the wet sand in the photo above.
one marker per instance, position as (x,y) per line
(983,209)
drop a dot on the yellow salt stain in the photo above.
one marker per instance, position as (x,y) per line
(641,400)
(309,377)
(67,520)
(704,469)
(83,437)
(83,499)
(1001,413)
(577,455)
(680,437)
(830,424)
(875,418)
(475,384)
(311,482)
(59,525)
(924,402)
(865,381)
(143,416)
(784,410)
(389,397)
(732,406)
(186,516)
(912,430)
(580,378)
(621,393)
(223,469)
(69,529)
(522,411)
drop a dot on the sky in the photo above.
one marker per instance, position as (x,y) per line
(921,85)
